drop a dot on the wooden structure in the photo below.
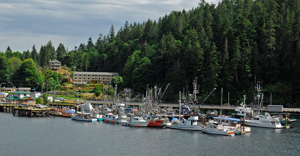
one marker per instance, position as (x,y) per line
(32,112)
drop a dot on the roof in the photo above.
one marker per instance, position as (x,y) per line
(21,92)
(230,119)
(12,98)
(30,97)
(54,60)
(97,73)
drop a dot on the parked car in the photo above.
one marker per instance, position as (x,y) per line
(23,105)
(41,106)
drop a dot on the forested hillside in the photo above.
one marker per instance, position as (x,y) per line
(227,45)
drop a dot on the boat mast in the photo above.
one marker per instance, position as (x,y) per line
(221,101)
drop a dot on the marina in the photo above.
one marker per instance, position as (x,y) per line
(61,136)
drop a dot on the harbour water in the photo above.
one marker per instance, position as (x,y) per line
(55,136)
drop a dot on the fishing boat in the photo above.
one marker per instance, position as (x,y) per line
(243,111)
(218,129)
(265,121)
(136,122)
(83,117)
(155,121)
(110,118)
(239,128)
(191,124)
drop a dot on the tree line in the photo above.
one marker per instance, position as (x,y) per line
(227,45)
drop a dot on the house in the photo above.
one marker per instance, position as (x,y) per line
(104,77)
(28,89)
(54,65)
(21,97)
(3,96)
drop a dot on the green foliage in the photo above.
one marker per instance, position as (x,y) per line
(226,45)
(118,80)
(27,75)
(39,100)
(98,89)
(111,92)
(45,99)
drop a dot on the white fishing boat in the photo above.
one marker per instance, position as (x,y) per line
(239,128)
(110,118)
(265,121)
(243,111)
(136,122)
(218,129)
(83,117)
(191,124)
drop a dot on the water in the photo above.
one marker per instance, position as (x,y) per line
(55,136)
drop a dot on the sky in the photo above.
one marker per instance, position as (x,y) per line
(24,23)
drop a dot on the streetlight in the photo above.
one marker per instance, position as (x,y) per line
(12,84)
(1,85)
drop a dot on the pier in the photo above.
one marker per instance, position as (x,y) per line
(7,108)
(32,112)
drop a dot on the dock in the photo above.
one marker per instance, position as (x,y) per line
(32,112)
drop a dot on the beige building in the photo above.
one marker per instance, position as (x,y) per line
(104,77)
(54,65)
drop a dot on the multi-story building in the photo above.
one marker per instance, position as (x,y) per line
(104,77)
(54,65)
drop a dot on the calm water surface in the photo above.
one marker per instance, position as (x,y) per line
(55,136)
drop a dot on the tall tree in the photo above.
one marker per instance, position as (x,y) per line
(27,75)
(34,54)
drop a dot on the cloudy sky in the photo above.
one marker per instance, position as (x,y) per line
(24,23)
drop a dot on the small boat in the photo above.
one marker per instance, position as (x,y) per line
(265,121)
(136,122)
(235,123)
(191,124)
(83,117)
(110,118)
(218,129)
(155,121)
(283,119)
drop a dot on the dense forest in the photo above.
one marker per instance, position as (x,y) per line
(227,45)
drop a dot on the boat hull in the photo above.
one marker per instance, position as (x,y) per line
(85,120)
(156,123)
(230,133)
(259,124)
(189,128)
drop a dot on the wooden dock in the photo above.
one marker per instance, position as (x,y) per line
(32,112)
(7,108)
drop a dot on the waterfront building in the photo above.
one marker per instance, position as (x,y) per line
(27,89)
(21,97)
(105,77)
(54,65)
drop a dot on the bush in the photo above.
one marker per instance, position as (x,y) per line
(98,90)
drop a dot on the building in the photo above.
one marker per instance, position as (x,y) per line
(104,77)
(21,97)
(54,65)
(28,89)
